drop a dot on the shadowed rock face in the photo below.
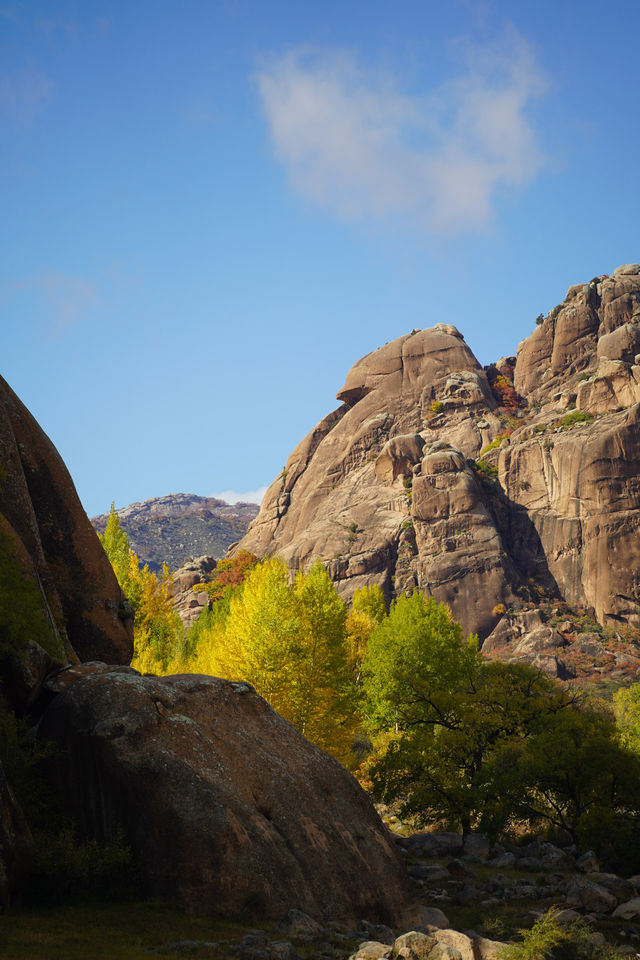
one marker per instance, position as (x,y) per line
(51,537)
(384,489)
(227,807)
(16,846)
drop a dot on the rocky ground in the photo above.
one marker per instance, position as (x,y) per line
(471,900)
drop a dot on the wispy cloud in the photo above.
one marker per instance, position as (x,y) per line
(352,142)
(249,496)
(24,92)
(66,298)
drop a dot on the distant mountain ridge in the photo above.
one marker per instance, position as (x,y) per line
(178,526)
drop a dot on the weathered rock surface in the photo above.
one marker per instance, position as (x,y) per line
(16,845)
(386,489)
(189,604)
(50,537)
(227,807)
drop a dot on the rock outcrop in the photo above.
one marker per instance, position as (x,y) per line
(188,603)
(490,489)
(48,536)
(228,809)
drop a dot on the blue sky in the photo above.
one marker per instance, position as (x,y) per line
(211,210)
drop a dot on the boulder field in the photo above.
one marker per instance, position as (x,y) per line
(495,490)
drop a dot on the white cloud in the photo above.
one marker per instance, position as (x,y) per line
(351,142)
(249,496)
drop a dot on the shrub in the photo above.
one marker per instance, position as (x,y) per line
(505,393)
(486,469)
(549,939)
(498,610)
(540,319)
(436,406)
(577,416)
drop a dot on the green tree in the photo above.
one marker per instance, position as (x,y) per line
(418,666)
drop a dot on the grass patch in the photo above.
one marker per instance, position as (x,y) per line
(112,931)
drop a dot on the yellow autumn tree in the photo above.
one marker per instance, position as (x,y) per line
(289,642)
(367,611)
(158,629)
(322,704)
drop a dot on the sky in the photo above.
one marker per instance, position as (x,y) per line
(212,208)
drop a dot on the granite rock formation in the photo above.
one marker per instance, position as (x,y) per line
(48,535)
(492,489)
(188,603)
(241,814)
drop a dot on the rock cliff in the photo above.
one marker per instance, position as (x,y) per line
(45,531)
(492,489)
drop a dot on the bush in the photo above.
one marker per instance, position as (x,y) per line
(486,469)
(577,416)
(550,940)
(436,406)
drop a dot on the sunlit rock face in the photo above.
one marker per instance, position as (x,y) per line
(386,488)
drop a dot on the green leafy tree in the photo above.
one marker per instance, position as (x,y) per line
(418,666)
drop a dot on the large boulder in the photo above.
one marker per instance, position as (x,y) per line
(47,534)
(228,809)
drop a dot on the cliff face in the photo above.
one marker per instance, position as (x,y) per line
(387,488)
(46,532)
